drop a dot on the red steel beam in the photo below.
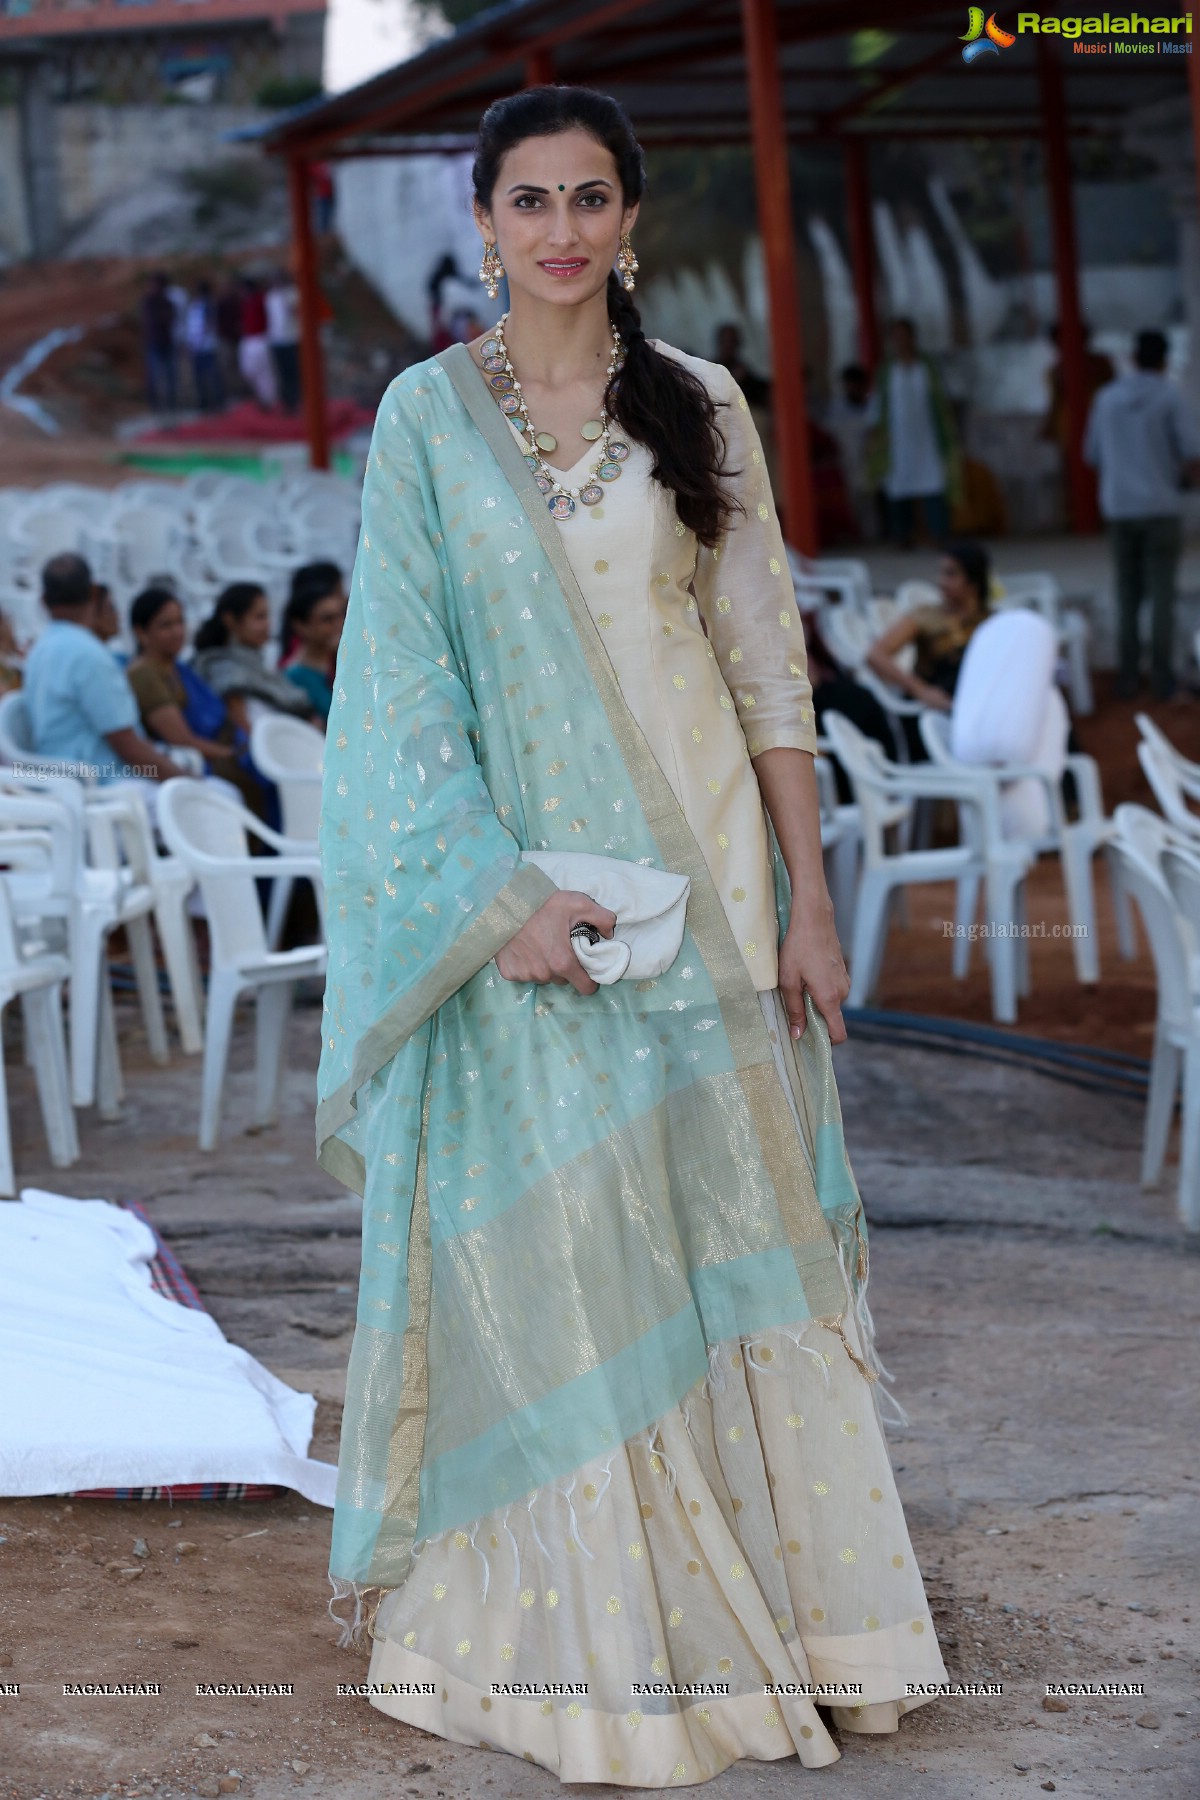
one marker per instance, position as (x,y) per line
(315,143)
(1072,350)
(774,193)
(539,68)
(891,83)
(312,363)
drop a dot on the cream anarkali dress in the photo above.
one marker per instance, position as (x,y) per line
(752,1543)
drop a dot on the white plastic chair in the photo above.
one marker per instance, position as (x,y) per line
(1160,872)
(291,754)
(89,902)
(1174,780)
(841,843)
(1181,871)
(209,835)
(1076,843)
(169,881)
(885,791)
(37,979)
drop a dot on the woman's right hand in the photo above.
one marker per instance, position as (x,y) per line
(933,699)
(542,950)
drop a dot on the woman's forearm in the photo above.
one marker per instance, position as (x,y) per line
(787,780)
(889,670)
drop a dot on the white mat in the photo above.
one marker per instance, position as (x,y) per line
(105,1383)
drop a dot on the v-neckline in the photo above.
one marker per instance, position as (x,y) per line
(523,445)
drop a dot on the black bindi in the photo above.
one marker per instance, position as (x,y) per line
(562,187)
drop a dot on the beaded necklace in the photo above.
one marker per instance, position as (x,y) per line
(560,498)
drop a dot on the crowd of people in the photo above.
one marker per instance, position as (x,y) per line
(120,719)
(242,338)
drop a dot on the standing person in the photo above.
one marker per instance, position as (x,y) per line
(254,351)
(228,312)
(283,335)
(611,1403)
(312,630)
(323,193)
(915,452)
(1143,441)
(200,336)
(158,344)
(851,419)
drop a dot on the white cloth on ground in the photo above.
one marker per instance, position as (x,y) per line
(106,1383)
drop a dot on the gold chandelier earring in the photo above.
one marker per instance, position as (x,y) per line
(490,270)
(627,263)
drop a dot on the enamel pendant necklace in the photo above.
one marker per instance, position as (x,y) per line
(560,499)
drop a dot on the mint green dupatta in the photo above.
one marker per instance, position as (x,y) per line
(567,1199)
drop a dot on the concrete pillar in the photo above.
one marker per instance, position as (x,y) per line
(39,155)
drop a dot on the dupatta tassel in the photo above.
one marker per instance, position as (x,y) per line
(361,1623)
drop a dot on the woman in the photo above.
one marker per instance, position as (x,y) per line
(612,1277)
(941,633)
(312,630)
(228,656)
(176,706)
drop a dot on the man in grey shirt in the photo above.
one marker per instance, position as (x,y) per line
(1145,445)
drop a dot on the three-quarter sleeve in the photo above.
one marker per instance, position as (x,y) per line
(744,591)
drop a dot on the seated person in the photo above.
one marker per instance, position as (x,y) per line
(81,707)
(228,657)
(941,633)
(175,705)
(106,623)
(12,660)
(312,630)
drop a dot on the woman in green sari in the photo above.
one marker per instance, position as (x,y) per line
(614,1494)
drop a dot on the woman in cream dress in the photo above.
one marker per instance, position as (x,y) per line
(735,1579)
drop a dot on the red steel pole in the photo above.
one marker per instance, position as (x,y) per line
(1072,349)
(768,125)
(312,363)
(539,67)
(862,248)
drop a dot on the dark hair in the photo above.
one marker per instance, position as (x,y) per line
(66,582)
(1150,350)
(975,564)
(234,603)
(657,401)
(146,606)
(311,584)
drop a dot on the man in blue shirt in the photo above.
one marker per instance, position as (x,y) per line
(1143,441)
(81,707)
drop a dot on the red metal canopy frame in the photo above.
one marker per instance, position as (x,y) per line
(704,72)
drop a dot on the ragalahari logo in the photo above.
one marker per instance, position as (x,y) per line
(984,38)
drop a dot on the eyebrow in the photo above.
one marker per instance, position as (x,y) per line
(528,187)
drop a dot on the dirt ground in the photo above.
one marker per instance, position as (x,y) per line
(1039,1315)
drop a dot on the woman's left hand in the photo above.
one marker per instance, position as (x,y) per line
(811,960)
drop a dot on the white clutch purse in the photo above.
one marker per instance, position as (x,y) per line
(650,905)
